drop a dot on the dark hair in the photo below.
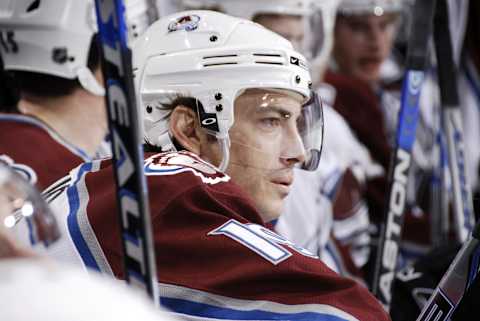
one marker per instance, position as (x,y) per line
(44,85)
(173,102)
(8,93)
(169,106)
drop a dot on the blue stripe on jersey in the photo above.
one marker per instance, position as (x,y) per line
(210,311)
(72,220)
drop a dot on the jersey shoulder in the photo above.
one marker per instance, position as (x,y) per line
(35,151)
(184,165)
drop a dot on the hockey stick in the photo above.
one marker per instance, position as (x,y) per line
(455,282)
(452,124)
(464,267)
(136,232)
(387,253)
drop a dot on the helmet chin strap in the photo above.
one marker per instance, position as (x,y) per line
(225,145)
(89,82)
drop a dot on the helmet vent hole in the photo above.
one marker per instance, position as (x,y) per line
(266,55)
(33,6)
(269,63)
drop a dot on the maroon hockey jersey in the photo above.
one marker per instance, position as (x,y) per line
(36,151)
(215,258)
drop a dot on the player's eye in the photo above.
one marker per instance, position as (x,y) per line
(270,123)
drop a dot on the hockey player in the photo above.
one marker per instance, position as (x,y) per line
(233,100)
(364,34)
(50,49)
(332,195)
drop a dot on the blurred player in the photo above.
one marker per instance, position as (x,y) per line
(50,49)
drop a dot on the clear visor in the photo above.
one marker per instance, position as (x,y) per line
(24,216)
(273,129)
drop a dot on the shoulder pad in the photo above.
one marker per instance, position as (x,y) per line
(173,163)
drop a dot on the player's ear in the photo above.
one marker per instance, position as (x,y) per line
(183,126)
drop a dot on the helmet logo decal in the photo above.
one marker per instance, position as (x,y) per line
(209,121)
(187,23)
(298,62)
(60,55)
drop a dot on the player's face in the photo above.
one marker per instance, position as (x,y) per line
(362,43)
(265,145)
(289,27)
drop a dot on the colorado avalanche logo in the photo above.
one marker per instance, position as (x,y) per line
(187,23)
(178,162)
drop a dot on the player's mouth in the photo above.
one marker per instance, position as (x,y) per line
(370,63)
(283,183)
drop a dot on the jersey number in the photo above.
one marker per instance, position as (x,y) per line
(262,241)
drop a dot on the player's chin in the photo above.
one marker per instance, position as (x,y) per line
(276,199)
(272,209)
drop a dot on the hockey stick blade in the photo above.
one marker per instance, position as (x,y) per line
(389,243)
(455,282)
(139,260)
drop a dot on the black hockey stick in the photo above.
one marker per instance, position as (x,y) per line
(455,282)
(132,199)
(464,267)
(452,124)
(389,243)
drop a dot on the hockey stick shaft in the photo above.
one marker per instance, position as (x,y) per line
(136,232)
(452,124)
(464,267)
(389,242)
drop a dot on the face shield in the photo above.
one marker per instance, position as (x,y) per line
(24,216)
(318,41)
(272,129)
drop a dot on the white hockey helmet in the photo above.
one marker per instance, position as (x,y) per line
(53,37)
(376,7)
(318,23)
(214,58)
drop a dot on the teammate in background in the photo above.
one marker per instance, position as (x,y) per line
(329,199)
(364,35)
(233,100)
(50,49)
